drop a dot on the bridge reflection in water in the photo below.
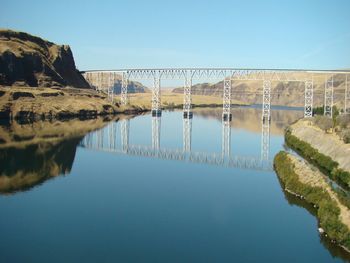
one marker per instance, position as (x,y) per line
(106,139)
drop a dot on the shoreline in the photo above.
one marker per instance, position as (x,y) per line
(313,154)
(29,104)
(312,175)
(320,230)
(298,179)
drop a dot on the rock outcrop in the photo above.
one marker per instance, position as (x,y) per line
(27,60)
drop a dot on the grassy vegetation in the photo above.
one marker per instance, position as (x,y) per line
(175,100)
(325,163)
(328,212)
(342,196)
(320,111)
(325,122)
(343,122)
(340,123)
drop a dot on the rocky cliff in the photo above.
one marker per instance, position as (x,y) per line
(27,60)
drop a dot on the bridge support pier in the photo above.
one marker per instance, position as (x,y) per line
(328,97)
(110,87)
(99,81)
(124,89)
(265,120)
(309,94)
(266,106)
(187,113)
(156,101)
(226,104)
(347,96)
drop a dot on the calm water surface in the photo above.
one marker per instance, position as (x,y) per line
(62,202)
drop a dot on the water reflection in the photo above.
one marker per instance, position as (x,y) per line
(23,168)
(105,140)
(123,202)
(33,153)
(335,250)
(249,118)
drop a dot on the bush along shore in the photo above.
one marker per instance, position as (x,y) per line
(323,162)
(328,209)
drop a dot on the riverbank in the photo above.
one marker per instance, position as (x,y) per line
(326,156)
(33,104)
(325,150)
(309,184)
(327,141)
(23,103)
(31,154)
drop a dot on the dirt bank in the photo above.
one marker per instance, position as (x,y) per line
(328,144)
(306,182)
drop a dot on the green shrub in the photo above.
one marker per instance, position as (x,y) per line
(318,111)
(342,196)
(311,154)
(323,162)
(343,176)
(328,211)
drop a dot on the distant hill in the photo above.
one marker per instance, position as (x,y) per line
(133,86)
(282,93)
(27,60)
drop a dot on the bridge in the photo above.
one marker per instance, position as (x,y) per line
(106,139)
(106,79)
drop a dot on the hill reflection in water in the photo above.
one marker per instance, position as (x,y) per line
(32,153)
(249,118)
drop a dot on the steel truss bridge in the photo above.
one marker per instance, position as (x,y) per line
(105,80)
(106,139)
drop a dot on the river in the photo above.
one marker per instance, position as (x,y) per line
(153,190)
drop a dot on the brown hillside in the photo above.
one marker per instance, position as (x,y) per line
(27,60)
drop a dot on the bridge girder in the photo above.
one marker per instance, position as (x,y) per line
(227,74)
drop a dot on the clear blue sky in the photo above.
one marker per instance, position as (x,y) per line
(255,33)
